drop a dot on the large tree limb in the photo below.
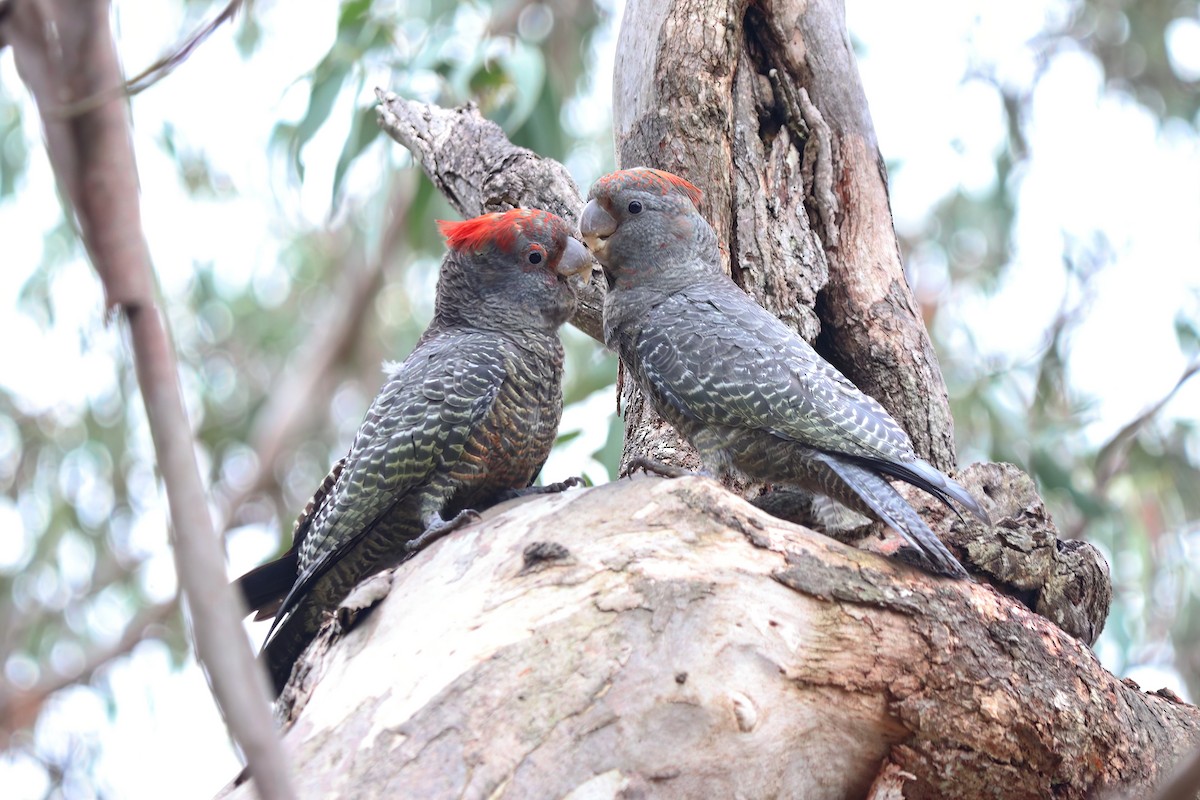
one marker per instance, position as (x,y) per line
(65,54)
(1021,555)
(693,646)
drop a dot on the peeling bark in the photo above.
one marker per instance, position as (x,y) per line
(1021,554)
(694,646)
(867,678)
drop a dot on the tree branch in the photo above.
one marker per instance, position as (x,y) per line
(1110,461)
(1066,582)
(65,53)
(693,646)
(282,419)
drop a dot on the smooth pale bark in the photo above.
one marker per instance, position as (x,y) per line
(1021,555)
(691,645)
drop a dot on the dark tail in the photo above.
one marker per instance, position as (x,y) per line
(264,587)
(926,477)
(888,505)
(286,641)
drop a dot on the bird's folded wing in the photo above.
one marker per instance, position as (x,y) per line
(421,419)
(721,359)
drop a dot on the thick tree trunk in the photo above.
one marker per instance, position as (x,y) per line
(693,646)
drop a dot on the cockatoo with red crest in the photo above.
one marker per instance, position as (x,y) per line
(466,420)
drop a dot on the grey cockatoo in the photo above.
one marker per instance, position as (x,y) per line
(466,420)
(749,394)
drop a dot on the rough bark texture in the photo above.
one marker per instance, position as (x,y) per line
(694,646)
(1066,581)
(628,641)
(761,107)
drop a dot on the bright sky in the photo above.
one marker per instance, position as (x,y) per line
(1096,162)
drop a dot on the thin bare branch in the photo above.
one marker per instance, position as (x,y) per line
(156,71)
(64,52)
(1112,456)
(167,64)
(292,404)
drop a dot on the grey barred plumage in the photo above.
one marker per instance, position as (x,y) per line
(749,394)
(467,418)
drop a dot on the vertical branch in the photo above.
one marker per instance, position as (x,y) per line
(872,326)
(65,54)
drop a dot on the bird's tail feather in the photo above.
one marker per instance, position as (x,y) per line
(888,505)
(265,586)
(289,636)
(928,478)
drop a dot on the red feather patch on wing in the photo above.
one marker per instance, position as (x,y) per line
(499,229)
(649,179)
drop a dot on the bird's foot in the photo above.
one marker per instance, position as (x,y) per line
(647,464)
(550,488)
(436,528)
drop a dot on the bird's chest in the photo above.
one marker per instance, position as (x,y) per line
(516,437)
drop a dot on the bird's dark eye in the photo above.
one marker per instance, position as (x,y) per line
(535,257)
(635,206)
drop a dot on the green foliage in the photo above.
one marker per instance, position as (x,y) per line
(80,476)
(1130,40)
(1133,494)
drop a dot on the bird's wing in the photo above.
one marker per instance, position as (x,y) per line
(716,356)
(421,420)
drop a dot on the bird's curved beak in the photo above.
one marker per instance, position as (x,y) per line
(596,226)
(576,263)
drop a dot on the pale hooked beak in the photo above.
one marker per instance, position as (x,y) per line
(576,263)
(596,226)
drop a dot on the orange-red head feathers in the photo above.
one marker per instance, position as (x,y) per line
(499,229)
(647,179)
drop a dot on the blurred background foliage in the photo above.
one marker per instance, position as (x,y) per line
(280,354)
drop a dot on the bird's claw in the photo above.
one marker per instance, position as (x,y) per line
(562,486)
(649,465)
(440,528)
(550,488)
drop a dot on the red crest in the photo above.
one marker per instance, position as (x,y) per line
(649,179)
(499,229)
